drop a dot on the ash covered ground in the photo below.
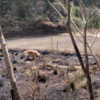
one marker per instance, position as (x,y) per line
(52,66)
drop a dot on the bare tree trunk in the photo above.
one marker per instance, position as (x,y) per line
(87,66)
(9,67)
(84,20)
(86,70)
(83,17)
(73,40)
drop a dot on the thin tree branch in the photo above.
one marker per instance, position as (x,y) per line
(72,7)
(92,18)
(97,61)
(57,11)
(78,38)
(82,11)
(73,40)
(87,65)
(72,21)
(10,72)
(62,6)
(94,39)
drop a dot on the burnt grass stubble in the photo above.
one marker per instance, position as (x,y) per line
(21,65)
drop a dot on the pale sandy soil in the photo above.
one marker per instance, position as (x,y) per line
(62,42)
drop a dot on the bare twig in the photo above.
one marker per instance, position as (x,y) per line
(63,6)
(72,21)
(92,18)
(12,79)
(97,61)
(81,33)
(89,85)
(94,39)
(72,7)
(73,40)
(82,11)
(78,38)
(57,11)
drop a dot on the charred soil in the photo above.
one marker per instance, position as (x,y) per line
(47,78)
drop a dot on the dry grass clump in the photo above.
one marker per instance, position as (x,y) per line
(66,88)
(74,81)
(98,94)
(28,73)
(46,59)
(33,88)
(56,60)
(40,77)
(78,78)
(32,92)
(47,66)
(37,74)
(61,73)
(1,70)
(81,84)
(80,73)
(93,69)
(71,66)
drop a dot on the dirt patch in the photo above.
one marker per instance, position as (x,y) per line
(46,76)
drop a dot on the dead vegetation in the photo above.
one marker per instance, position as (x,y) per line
(42,79)
(75,79)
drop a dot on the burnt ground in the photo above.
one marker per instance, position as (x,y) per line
(50,83)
